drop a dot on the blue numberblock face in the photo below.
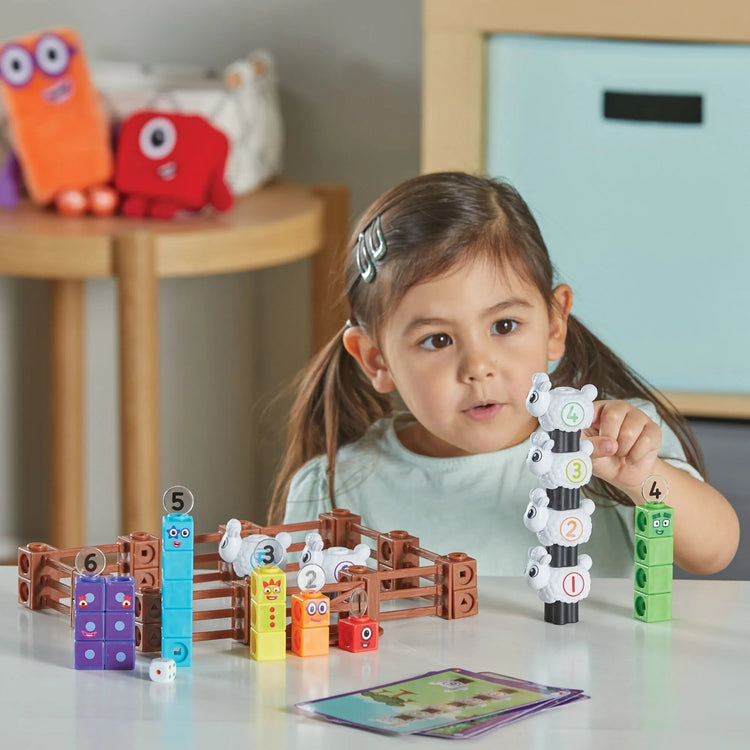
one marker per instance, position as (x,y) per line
(177,532)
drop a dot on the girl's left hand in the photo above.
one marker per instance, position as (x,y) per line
(626,443)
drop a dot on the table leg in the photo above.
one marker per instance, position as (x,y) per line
(139,382)
(328,310)
(67,511)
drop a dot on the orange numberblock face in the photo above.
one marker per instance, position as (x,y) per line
(58,127)
(311,610)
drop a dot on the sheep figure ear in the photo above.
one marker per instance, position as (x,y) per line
(284,539)
(546,559)
(589,391)
(539,497)
(587,505)
(314,541)
(539,438)
(541,381)
(587,447)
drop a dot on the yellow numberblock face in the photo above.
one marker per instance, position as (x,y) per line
(268,585)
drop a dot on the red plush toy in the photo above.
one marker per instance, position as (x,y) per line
(169,162)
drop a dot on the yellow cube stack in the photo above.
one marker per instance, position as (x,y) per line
(268,614)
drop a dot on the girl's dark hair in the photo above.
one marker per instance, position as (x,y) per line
(431,224)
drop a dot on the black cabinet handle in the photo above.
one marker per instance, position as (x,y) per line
(670,108)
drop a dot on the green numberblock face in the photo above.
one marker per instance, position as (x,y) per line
(654,520)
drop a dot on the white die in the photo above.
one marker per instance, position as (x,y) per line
(162,670)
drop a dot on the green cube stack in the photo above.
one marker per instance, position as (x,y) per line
(654,556)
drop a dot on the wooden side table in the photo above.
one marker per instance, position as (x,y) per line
(273,226)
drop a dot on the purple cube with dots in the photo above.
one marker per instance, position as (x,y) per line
(89,655)
(89,594)
(120,595)
(119,626)
(119,655)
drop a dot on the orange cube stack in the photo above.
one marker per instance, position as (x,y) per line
(311,618)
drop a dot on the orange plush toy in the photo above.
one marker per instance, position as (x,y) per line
(58,129)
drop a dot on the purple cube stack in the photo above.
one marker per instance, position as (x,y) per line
(104,622)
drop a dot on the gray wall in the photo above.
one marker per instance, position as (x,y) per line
(350,85)
(350,82)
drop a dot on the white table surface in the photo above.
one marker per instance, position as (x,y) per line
(681,684)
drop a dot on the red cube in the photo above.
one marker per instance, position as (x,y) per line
(357,634)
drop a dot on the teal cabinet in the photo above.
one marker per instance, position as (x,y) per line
(647,219)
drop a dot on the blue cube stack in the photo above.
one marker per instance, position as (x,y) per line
(177,588)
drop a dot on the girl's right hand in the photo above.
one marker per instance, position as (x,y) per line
(626,444)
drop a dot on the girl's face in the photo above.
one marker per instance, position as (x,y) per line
(461,350)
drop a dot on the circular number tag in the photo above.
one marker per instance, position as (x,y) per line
(358,603)
(311,578)
(577,472)
(572,414)
(90,561)
(655,489)
(177,499)
(267,552)
(573,584)
(571,528)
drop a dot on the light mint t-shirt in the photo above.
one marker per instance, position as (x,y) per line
(472,504)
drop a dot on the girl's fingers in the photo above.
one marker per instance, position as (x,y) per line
(646,445)
(603,447)
(631,430)
(610,417)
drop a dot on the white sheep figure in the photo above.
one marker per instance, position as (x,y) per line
(569,470)
(334,559)
(570,584)
(563,408)
(566,528)
(253,551)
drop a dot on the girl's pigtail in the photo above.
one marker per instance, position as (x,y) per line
(588,360)
(334,405)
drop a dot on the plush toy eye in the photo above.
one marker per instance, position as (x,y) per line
(16,65)
(157,138)
(52,55)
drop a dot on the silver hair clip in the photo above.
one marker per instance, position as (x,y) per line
(368,252)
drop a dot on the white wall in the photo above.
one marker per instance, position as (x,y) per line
(350,84)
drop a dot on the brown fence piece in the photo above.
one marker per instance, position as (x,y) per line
(401,579)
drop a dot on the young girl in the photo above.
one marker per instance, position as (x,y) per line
(453,309)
